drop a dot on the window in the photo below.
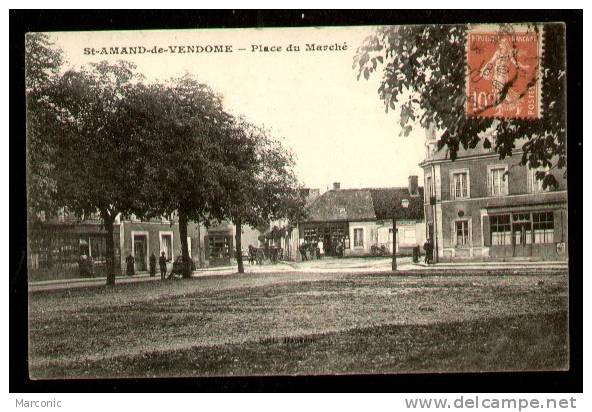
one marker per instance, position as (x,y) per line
(359,237)
(498,181)
(428,188)
(460,185)
(310,235)
(219,247)
(166,245)
(536,185)
(462,232)
(501,230)
(543,226)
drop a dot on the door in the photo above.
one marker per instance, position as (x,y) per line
(522,239)
(327,245)
(140,251)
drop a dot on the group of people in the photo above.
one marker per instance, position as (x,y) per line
(162,263)
(258,254)
(311,251)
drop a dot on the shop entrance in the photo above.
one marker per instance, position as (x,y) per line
(522,234)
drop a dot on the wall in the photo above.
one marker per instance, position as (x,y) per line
(517,175)
(409,235)
(369,235)
(153,231)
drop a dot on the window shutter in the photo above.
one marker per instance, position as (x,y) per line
(558,226)
(529,180)
(453,234)
(486,231)
(452,188)
(489,179)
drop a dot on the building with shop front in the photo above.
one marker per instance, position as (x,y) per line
(481,207)
(57,244)
(362,220)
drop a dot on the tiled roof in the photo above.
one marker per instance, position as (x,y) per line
(365,204)
(342,205)
(388,203)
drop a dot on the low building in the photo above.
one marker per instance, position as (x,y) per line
(362,220)
(482,207)
(56,244)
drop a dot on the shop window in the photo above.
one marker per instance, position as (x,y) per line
(543,226)
(501,230)
(310,235)
(219,247)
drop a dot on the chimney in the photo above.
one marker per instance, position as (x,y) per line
(413,186)
(336,186)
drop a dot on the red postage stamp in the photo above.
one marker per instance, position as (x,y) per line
(503,76)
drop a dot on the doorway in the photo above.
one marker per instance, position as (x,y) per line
(522,234)
(140,252)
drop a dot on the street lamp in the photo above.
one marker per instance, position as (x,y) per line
(404,205)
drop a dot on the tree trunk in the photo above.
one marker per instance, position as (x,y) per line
(186,267)
(108,220)
(239,248)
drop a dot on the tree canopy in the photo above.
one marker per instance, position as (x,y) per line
(100,139)
(258,180)
(424,70)
(42,65)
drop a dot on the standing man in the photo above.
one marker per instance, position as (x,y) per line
(152,265)
(162,261)
(129,261)
(339,248)
(428,248)
(302,249)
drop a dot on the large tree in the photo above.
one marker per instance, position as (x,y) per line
(187,131)
(43,62)
(99,155)
(424,70)
(258,181)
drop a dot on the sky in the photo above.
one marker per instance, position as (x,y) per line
(335,124)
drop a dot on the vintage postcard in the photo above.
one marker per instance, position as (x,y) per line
(297,201)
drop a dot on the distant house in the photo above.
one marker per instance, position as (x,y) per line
(362,219)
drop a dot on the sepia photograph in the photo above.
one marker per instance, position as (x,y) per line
(297,201)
